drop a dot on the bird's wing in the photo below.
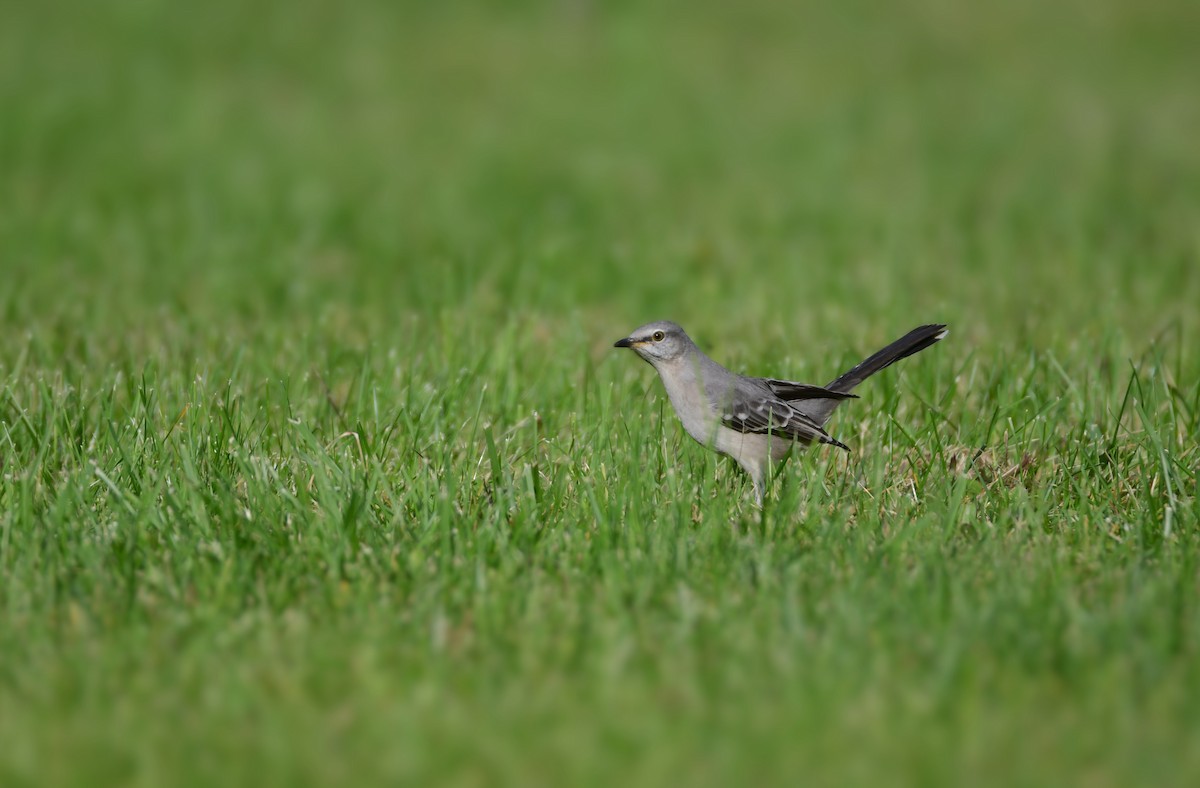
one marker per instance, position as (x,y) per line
(791,391)
(762,412)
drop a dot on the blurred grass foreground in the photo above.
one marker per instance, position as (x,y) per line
(316,466)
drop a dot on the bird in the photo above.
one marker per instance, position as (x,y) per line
(756,421)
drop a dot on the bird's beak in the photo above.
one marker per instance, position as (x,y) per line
(626,342)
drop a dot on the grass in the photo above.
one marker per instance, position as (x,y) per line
(317,466)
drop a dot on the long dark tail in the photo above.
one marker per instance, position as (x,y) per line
(913,342)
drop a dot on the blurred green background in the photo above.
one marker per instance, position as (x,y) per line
(798,165)
(316,463)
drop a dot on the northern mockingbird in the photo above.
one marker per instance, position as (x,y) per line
(755,421)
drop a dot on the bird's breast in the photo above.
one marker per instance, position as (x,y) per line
(692,402)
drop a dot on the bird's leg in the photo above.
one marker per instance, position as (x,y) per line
(759,475)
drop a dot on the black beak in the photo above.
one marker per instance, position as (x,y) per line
(626,342)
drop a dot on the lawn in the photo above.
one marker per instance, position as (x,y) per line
(317,465)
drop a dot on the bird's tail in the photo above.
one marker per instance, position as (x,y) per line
(913,342)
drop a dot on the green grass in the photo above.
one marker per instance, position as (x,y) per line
(317,466)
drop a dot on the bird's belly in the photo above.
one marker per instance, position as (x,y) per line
(703,430)
(751,446)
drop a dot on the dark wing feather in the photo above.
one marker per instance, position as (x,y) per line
(765,415)
(791,391)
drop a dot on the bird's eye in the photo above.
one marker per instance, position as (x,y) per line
(659,336)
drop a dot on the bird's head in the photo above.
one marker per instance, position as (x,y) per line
(657,342)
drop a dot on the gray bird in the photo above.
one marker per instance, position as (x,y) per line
(756,421)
